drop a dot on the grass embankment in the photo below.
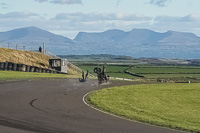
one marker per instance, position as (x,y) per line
(32,59)
(171,105)
(24,57)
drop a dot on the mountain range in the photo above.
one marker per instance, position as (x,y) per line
(139,36)
(135,43)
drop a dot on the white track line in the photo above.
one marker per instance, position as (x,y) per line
(125,118)
(99,109)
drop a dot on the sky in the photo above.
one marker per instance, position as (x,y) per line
(69,17)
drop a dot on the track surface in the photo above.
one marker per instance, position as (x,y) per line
(57,107)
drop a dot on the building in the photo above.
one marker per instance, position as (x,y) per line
(58,64)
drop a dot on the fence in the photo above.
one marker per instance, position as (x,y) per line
(19,47)
(10,66)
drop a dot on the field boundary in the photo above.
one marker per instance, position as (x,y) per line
(133,74)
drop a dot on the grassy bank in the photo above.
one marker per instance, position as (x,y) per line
(12,75)
(24,57)
(171,105)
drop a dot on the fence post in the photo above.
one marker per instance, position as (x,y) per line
(16,46)
(43,48)
(8,45)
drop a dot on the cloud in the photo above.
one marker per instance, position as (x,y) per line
(118,2)
(13,20)
(41,0)
(191,18)
(3,5)
(168,19)
(189,23)
(19,15)
(69,24)
(97,22)
(101,17)
(68,2)
(159,3)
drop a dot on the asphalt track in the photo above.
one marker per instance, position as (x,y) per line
(56,106)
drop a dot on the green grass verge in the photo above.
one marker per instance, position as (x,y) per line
(172,105)
(13,75)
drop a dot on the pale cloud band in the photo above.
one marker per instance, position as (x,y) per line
(160,3)
(19,15)
(69,24)
(68,2)
(101,17)
(3,5)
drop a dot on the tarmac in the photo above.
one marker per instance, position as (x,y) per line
(57,106)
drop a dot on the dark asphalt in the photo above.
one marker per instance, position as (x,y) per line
(56,106)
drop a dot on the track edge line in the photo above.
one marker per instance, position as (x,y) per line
(125,118)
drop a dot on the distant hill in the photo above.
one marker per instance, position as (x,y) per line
(135,43)
(33,37)
(107,36)
(140,36)
(142,43)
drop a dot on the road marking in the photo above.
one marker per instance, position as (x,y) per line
(125,118)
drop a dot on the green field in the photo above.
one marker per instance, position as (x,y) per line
(102,59)
(166,71)
(169,73)
(13,75)
(111,70)
(148,68)
(172,105)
